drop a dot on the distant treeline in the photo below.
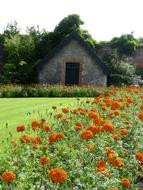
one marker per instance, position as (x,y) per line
(22,52)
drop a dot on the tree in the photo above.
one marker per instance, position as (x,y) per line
(120,71)
(125,44)
(20,59)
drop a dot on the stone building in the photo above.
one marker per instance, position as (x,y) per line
(72,62)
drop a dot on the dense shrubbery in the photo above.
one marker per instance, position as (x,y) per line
(48,91)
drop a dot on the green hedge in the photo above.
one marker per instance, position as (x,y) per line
(9,91)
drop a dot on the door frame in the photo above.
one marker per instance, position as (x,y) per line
(80,70)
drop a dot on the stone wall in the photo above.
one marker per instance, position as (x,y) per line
(54,70)
(138,58)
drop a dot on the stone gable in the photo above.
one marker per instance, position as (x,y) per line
(54,70)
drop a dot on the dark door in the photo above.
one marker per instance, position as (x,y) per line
(72,73)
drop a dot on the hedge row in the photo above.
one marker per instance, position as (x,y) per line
(9,91)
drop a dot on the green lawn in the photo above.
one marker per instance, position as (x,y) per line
(14,111)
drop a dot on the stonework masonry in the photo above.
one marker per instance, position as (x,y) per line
(54,70)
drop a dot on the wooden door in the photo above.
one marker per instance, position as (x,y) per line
(72,74)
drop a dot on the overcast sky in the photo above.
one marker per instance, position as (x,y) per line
(103,19)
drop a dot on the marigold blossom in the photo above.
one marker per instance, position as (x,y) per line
(125,182)
(44,160)
(87,134)
(58,175)
(20,128)
(8,176)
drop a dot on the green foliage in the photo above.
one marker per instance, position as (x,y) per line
(120,71)
(87,37)
(20,59)
(125,44)
(22,52)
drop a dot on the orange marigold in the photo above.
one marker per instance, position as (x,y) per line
(114,188)
(87,134)
(65,110)
(125,182)
(123,131)
(140,116)
(116,137)
(108,127)
(115,160)
(101,167)
(20,128)
(92,115)
(46,128)
(35,125)
(25,138)
(52,138)
(78,124)
(109,150)
(94,129)
(44,160)
(139,156)
(58,175)
(8,176)
(60,135)
(58,115)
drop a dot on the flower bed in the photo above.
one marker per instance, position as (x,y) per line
(95,144)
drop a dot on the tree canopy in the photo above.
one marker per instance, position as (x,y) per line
(23,51)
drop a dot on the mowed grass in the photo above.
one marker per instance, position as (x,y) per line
(15,111)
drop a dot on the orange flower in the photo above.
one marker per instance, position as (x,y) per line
(44,160)
(38,140)
(25,138)
(94,129)
(52,138)
(109,150)
(78,128)
(140,116)
(58,115)
(125,182)
(8,176)
(20,128)
(46,128)
(87,134)
(116,137)
(141,107)
(35,125)
(98,121)
(116,113)
(139,156)
(92,115)
(115,161)
(114,188)
(101,167)
(65,110)
(123,131)
(58,175)
(108,127)
(60,135)
(101,164)
(78,124)
(115,105)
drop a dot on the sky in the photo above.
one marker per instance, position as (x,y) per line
(104,19)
